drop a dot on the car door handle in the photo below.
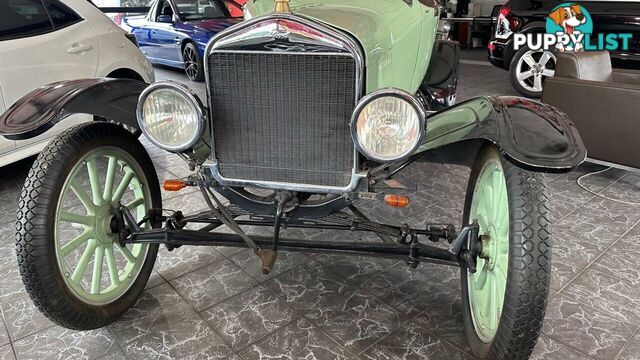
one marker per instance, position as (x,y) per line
(79,48)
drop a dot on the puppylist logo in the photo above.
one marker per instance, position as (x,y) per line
(569,27)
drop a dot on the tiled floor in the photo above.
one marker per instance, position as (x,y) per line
(208,303)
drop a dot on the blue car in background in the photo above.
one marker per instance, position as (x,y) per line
(175,32)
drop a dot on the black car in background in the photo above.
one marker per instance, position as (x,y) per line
(529,16)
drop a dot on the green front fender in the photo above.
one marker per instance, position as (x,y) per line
(530,134)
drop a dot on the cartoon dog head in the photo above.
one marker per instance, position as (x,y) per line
(568,17)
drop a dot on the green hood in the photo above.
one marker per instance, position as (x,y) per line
(397,37)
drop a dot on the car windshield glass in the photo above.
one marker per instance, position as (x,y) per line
(199,9)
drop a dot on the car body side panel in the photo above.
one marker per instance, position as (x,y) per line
(6,145)
(397,37)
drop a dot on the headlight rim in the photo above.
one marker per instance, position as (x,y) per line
(190,96)
(389,92)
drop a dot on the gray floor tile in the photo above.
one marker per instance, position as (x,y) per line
(609,294)
(572,253)
(612,216)
(568,196)
(191,338)
(6,353)
(60,343)
(250,263)
(549,349)
(445,212)
(183,260)
(582,225)
(411,291)
(357,269)
(298,340)
(7,248)
(159,306)
(4,334)
(445,320)
(179,169)
(188,203)
(22,317)
(213,284)
(308,285)
(587,329)
(632,350)
(11,283)
(355,319)
(622,260)
(115,353)
(155,279)
(413,342)
(249,316)
(626,189)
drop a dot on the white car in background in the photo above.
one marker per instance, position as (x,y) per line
(43,41)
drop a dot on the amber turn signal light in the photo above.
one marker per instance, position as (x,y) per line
(174,185)
(396,201)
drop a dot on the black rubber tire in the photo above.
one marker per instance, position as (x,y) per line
(529,269)
(35,245)
(199,76)
(514,78)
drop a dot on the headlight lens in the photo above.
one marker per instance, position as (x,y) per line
(388,125)
(170,116)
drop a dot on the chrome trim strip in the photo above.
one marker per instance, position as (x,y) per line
(280,52)
(190,96)
(347,43)
(354,183)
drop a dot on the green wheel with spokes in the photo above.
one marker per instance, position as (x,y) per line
(71,262)
(504,301)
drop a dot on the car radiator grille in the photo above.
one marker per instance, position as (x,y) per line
(283,117)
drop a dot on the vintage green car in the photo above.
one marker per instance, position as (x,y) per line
(310,107)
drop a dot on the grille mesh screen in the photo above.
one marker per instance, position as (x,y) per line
(283,117)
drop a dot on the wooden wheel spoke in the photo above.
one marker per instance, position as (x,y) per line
(74,243)
(135,203)
(96,279)
(81,268)
(126,253)
(94,180)
(124,184)
(497,190)
(110,178)
(481,280)
(82,195)
(113,268)
(492,306)
(76,218)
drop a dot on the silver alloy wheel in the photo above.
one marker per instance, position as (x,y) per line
(533,67)
(190,62)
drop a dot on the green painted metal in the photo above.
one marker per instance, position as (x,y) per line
(109,276)
(453,124)
(397,38)
(486,288)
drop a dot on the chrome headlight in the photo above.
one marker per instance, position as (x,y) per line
(388,125)
(170,116)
